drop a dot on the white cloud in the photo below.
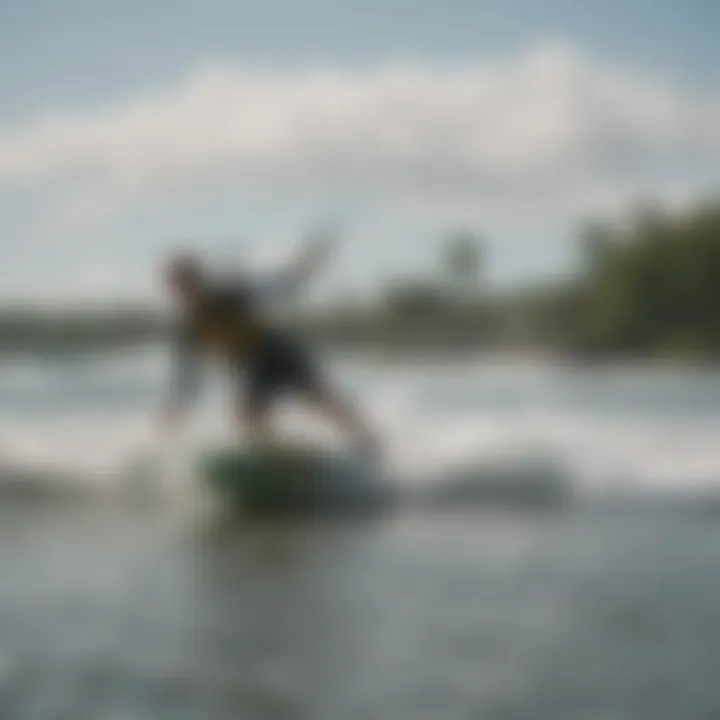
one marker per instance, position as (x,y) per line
(548,128)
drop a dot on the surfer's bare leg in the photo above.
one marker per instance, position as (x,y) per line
(254,417)
(341,410)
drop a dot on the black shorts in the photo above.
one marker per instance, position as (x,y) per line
(280,364)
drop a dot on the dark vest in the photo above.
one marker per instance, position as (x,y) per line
(228,323)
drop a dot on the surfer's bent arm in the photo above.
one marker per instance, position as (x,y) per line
(185,372)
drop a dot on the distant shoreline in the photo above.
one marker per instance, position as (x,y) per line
(446,335)
(419,354)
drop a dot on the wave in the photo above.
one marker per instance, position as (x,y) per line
(526,484)
(462,434)
(337,486)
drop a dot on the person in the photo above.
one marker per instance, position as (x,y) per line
(229,320)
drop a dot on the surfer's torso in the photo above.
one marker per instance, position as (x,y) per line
(227,323)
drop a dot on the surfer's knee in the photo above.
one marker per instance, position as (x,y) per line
(339,407)
(251,409)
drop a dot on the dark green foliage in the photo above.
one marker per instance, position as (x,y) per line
(461,264)
(651,286)
(38,331)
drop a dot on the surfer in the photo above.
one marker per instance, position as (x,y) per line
(228,318)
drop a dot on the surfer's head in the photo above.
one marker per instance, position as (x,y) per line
(185,276)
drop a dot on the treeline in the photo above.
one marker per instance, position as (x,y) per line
(649,286)
(24,329)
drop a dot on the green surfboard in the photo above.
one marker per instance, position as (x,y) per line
(293,479)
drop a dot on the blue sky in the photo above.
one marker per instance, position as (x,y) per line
(601,101)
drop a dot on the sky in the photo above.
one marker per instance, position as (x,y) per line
(129,128)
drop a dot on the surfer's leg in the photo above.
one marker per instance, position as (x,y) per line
(253,402)
(342,411)
(254,418)
(296,370)
(285,365)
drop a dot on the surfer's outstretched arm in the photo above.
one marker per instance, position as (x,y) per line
(295,276)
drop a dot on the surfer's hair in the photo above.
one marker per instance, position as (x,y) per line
(185,269)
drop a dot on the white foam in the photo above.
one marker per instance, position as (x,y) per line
(433,418)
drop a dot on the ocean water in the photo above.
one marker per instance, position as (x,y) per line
(607,606)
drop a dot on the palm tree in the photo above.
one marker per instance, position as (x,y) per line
(461,261)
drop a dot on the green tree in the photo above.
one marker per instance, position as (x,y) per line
(651,285)
(461,264)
